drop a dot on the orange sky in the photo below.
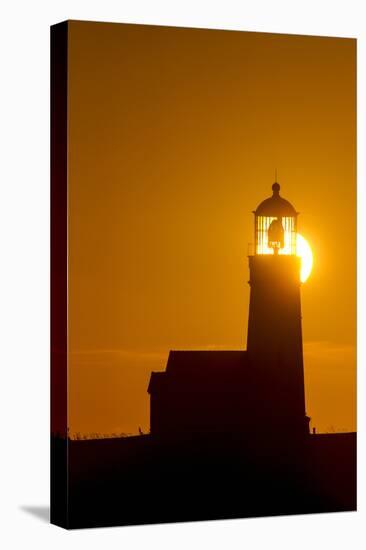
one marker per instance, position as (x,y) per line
(174,136)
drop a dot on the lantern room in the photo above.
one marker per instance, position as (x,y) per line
(275,225)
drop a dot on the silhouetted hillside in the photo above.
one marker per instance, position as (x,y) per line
(145,480)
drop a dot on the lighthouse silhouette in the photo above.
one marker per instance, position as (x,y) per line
(274,330)
(229,432)
(258,393)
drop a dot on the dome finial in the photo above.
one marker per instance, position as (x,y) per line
(276,188)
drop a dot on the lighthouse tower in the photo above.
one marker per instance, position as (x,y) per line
(274,343)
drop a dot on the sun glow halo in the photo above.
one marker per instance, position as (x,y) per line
(304,251)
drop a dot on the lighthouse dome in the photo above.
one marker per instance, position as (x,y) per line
(276,205)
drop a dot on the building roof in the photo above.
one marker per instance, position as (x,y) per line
(200,367)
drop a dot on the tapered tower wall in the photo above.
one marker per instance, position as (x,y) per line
(274,340)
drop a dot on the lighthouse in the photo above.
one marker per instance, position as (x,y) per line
(258,393)
(274,342)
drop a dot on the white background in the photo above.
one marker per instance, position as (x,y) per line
(24,273)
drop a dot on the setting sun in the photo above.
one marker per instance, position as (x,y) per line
(304,251)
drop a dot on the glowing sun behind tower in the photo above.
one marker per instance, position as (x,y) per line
(303,250)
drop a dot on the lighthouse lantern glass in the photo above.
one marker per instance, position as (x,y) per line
(262,243)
